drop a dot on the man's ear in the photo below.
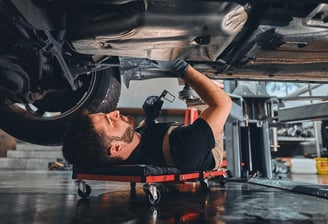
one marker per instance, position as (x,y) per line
(114,149)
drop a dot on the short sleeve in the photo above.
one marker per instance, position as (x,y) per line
(191,146)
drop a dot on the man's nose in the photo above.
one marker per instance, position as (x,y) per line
(115,114)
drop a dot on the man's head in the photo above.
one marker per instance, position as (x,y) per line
(93,139)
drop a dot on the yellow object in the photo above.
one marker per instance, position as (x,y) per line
(322,165)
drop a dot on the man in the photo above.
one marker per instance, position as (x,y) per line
(98,139)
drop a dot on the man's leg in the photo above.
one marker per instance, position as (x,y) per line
(218,150)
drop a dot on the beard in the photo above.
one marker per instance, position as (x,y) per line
(128,134)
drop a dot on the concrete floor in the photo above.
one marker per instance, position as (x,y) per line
(50,197)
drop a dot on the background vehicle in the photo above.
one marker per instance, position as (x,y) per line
(58,57)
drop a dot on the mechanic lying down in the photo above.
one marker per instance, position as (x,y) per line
(98,139)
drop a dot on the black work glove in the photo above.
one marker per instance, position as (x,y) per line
(152,107)
(178,66)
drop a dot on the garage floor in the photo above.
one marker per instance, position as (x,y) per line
(50,197)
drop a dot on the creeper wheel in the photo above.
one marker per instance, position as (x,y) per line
(153,194)
(84,190)
(152,200)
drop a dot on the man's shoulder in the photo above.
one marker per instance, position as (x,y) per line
(198,125)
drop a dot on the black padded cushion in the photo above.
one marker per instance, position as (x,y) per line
(128,170)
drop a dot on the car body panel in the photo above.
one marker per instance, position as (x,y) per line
(255,40)
(186,29)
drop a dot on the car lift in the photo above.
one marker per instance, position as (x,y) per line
(251,136)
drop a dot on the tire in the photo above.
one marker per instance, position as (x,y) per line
(151,199)
(221,180)
(204,186)
(45,121)
(85,194)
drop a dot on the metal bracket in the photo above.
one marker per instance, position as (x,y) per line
(55,48)
(81,184)
(153,191)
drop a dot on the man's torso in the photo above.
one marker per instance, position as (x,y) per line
(190,146)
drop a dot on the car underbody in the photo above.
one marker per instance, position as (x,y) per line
(60,57)
(275,40)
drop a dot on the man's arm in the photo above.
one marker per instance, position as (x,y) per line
(219,103)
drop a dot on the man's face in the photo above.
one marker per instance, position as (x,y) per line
(115,125)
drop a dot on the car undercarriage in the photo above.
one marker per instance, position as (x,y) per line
(60,57)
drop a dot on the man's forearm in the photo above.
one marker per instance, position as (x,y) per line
(211,93)
(219,103)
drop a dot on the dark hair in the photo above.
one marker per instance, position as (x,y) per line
(83,146)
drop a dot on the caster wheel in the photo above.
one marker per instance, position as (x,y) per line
(204,186)
(133,185)
(221,180)
(152,200)
(86,193)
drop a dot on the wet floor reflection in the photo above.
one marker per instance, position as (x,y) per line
(36,199)
(132,207)
(238,203)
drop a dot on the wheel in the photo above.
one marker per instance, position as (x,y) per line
(133,191)
(133,185)
(221,180)
(44,122)
(151,198)
(204,185)
(86,193)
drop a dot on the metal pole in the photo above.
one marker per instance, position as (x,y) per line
(266,151)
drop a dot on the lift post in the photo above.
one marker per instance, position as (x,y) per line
(247,134)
